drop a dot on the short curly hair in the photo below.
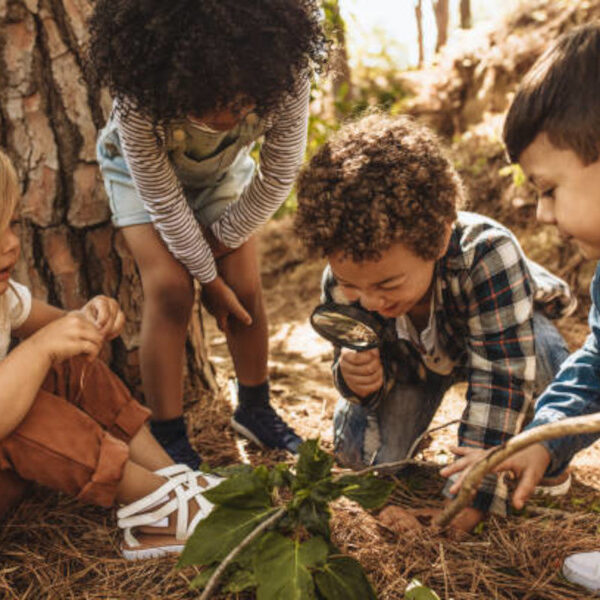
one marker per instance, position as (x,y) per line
(378,181)
(172,58)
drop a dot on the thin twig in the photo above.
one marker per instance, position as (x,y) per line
(212,582)
(416,443)
(393,466)
(565,427)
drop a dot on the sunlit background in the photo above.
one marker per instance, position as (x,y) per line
(389,26)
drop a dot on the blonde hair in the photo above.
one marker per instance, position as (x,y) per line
(9,190)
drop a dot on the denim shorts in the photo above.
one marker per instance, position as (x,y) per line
(208,197)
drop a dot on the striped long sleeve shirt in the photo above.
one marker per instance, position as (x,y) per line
(163,196)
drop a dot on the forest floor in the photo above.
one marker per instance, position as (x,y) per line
(55,548)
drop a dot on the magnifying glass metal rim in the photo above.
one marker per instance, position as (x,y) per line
(353,312)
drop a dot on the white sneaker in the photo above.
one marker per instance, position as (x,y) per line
(583,569)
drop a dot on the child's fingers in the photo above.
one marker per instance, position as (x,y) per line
(365,369)
(365,379)
(238,311)
(525,488)
(117,325)
(352,357)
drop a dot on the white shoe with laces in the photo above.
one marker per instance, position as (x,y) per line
(583,569)
(153,511)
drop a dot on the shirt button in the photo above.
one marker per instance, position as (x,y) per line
(179,135)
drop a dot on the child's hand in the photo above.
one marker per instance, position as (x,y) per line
(528,466)
(470,456)
(362,371)
(106,314)
(69,336)
(221,302)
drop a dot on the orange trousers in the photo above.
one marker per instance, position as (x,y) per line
(75,436)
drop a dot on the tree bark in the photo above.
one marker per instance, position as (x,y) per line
(50,114)
(442,16)
(419,18)
(466,20)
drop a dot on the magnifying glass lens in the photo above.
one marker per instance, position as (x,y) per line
(344,330)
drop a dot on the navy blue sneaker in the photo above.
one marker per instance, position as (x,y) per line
(181,451)
(262,425)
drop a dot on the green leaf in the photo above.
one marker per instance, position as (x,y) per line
(315,517)
(245,490)
(220,532)
(313,463)
(343,578)
(368,491)
(241,580)
(280,476)
(325,491)
(415,590)
(282,567)
(199,582)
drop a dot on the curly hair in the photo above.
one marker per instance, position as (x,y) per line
(170,59)
(379,181)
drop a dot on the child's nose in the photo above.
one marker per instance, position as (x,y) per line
(9,242)
(371,302)
(545,210)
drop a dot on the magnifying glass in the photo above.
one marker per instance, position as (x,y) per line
(348,326)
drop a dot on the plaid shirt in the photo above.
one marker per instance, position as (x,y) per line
(485,291)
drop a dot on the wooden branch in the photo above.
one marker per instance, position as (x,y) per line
(214,580)
(565,427)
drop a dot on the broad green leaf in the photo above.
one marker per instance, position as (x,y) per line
(245,490)
(315,517)
(282,567)
(241,580)
(415,590)
(368,491)
(199,582)
(220,532)
(280,476)
(343,578)
(313,463)
(326,491)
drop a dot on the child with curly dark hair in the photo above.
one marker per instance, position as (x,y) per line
(453,292)
(196,84)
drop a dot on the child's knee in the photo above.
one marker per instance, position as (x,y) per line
(171,297)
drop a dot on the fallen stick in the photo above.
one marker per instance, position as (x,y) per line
(565,427)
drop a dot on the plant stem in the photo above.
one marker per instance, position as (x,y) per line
(570,426)
(214,580)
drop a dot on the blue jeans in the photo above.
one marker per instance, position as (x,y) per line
(364,437)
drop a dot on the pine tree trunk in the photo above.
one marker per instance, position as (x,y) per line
(441,11)
(419,18)
(466,20)
(50,114)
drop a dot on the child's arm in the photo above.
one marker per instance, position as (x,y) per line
(24,369)
(281,156)
(501,360)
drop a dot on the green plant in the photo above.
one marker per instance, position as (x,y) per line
(254,539)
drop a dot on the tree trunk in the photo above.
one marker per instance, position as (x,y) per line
(442,17)
(419,18)
(50,114)
(341,79)
(466,20)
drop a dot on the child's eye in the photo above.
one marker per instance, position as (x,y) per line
(549,193)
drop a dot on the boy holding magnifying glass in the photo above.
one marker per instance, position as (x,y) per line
(455,297)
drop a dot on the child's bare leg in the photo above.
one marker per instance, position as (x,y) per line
(168,302)
(146,452)
(249,348)
(248,345)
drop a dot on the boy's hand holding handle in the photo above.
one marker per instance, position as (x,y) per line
(362,371)
(221,302)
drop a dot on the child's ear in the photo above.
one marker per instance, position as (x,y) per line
(444,247)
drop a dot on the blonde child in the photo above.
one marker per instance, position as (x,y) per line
(70,424)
